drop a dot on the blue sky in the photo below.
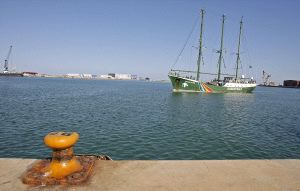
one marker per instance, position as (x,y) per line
(144,37)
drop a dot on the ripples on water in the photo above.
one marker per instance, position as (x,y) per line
(140,120)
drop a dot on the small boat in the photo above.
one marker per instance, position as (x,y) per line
(230,83)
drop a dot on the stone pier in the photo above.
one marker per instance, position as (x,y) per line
(172,175)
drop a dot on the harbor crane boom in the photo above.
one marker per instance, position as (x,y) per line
(6,60)
(266,78)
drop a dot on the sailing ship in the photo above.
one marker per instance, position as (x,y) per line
(230,83)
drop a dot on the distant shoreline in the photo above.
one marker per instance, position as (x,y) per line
(86,78)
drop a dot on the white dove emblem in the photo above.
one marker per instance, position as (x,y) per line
(185,84)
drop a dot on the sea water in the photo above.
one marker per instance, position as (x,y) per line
(145,120)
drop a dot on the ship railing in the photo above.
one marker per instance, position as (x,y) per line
(191,75)
(183,74)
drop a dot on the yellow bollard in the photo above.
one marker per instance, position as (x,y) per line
(64,168)
(63,161)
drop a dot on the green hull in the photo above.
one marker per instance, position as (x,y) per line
(222,89)
(181,84)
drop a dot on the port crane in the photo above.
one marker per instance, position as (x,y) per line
(6,60)
(266,79)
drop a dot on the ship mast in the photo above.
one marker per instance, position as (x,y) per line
(221,49)
(200,45)
(238,50)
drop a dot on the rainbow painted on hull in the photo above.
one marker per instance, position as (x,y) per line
(206,88)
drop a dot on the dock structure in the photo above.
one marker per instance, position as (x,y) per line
(172,175)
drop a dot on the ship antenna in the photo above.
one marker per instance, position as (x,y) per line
(200,45)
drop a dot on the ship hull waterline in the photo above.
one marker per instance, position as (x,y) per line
(181,84)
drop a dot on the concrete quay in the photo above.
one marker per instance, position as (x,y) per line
(173,175)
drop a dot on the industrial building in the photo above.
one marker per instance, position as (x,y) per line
(74,75)
(291,83)
(120,76)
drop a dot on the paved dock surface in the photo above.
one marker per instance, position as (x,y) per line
(241,175)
